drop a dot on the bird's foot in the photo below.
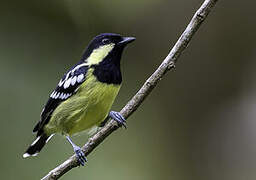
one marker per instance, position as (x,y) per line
(80,155)
(118,118)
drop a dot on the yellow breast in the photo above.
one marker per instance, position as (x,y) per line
(87,108)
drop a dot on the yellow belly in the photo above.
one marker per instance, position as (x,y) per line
(87,108)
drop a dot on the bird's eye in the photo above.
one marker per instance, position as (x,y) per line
(105,41)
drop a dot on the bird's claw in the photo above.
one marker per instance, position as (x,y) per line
(80,155)
(118,118)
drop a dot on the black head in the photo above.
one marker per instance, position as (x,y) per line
(103,54)
(105,40)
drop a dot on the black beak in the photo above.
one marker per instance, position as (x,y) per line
(126,40)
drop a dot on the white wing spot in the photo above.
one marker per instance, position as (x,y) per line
(61,95)
(60,83)
(67,75)
(57,95)
(67,83)
(66,96)
(73,82)
(54,94)
(80,78)
(78,66)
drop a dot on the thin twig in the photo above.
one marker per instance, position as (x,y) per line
(167,64)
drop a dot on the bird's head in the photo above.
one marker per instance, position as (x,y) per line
(106,46)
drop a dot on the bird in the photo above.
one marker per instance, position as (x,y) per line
(84,96)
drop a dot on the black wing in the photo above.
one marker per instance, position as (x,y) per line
(67,86)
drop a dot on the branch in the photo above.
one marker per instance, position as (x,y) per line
(167,64)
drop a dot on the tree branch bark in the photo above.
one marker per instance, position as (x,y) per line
(167,64)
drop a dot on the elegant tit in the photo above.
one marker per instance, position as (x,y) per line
(85,94)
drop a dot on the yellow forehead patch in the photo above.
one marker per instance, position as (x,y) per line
(99,54)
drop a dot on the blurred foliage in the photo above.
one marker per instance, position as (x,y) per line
(199,123)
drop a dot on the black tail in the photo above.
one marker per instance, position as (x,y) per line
(37,145)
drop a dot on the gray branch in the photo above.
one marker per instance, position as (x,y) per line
(167,64)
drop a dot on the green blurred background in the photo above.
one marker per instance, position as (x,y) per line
(199,122)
